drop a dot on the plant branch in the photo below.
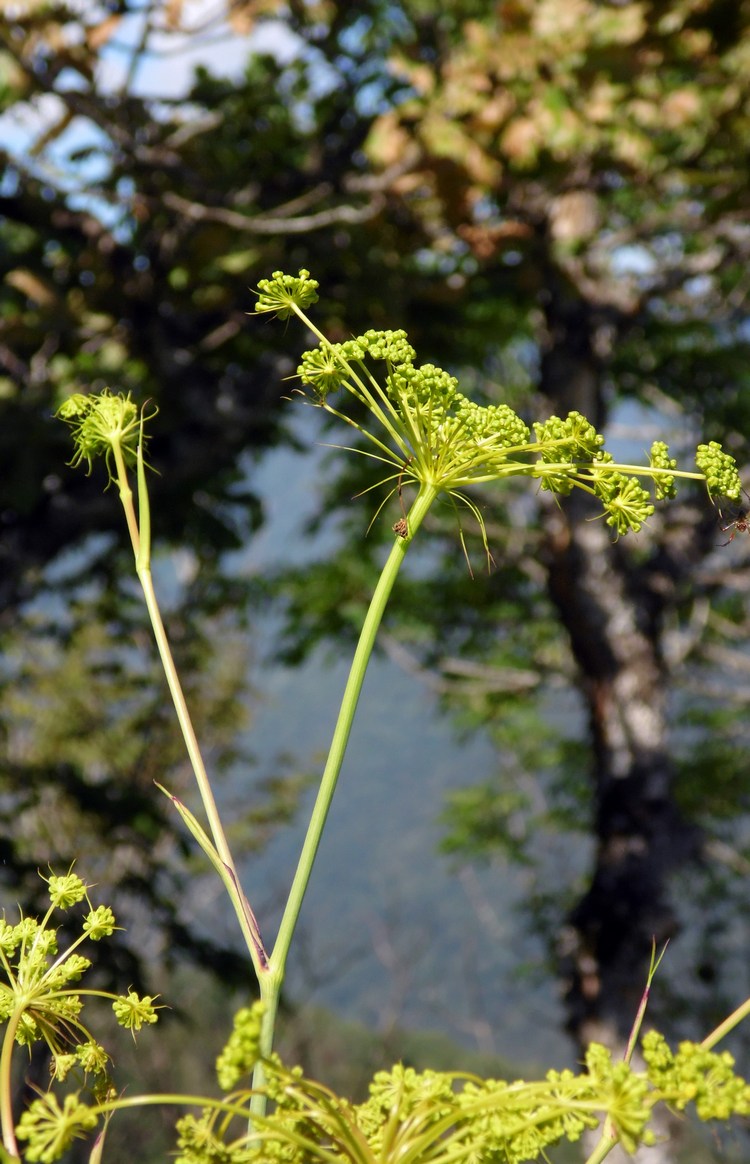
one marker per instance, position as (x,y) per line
(271,983)
(140,537)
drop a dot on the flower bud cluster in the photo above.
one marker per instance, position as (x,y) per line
(40,1004)
(439,1116)
(103,425)
(444,442)
(493,422)
(283,294)
(720,469)
(242,1050)
(696,1075)
(626,503)
(571,439)
(664,484)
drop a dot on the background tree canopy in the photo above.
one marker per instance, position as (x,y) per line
(553,200)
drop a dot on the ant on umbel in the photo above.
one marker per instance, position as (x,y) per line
(739,524)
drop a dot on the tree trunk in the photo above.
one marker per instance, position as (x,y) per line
(612,611)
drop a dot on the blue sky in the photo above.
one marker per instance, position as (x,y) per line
(164,71)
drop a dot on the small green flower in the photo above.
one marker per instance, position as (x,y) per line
(568,444)
(496,423)
(426,388)
(75,407)
(9,938)
(392,346)
(29,930)
(571,439)
(65,891)
(198,1143)
(696,1075)
(132,1012)
(62,1065)
(624,1093)
(242,1050)
(109,423)
(51,1129)
(323,369)
(68,970)
(99,923)
(281,293)
(92,1057)
(626,502)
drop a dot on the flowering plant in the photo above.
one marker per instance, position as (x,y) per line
(423,430)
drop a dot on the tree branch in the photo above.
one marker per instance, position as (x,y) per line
(268,224)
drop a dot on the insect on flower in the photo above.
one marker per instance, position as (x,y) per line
(739,524)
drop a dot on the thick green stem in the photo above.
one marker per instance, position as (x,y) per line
(6,1087)
(273,981)
(604,1146)
(343,727)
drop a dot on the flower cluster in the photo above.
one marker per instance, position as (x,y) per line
(51,1127)
(104,425)
(696,1075)
(434,1115)
(569,440)
(242,1050)
(329,366)
(283,294)
(626,503)
(433,435)
(41,1003)
(664,482)
(720,470)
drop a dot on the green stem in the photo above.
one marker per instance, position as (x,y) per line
(277,963)
(248,924)
(728,1025)
(604,1146)
(6,1088)
(270,991)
